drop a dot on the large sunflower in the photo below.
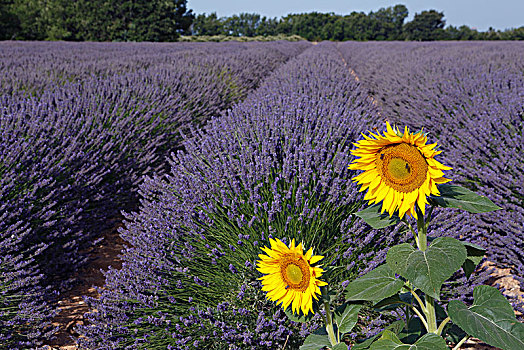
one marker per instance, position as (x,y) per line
(399,169)
(290,277)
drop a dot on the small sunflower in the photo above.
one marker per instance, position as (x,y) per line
(399,169)
(289,277)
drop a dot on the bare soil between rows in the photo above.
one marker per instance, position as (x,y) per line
(72,306)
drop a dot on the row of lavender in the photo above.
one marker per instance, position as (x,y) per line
(470,96)
(274,166)
(80,124)
(33,68)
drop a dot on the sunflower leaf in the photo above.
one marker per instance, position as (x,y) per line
(300,317)
(346,317)
(475,255)
(315,342)
(395,327)
(372,216)
(391,336)
(491,319)
(428,269)
(453,196)
(376,285)
(428,341)
(340,346)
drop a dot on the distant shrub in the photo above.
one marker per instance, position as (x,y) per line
(222,38)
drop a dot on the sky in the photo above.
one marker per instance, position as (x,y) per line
(479,14)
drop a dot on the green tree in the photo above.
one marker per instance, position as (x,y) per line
(513,34)
(268,26)
(461,33)
(244,24)
(359,27)
(311,26)
(135,20)
(386,23)
(9,22)
(208,25)
(425,26)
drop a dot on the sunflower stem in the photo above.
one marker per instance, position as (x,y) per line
(329,319)
(462,341)
(408,224)
(442,325)
(431,314)
(421,228)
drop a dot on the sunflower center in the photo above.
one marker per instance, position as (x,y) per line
(295,272)
(399,168)
(402,167)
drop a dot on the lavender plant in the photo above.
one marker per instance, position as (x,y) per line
(73,149)
(470,96)
(273,166)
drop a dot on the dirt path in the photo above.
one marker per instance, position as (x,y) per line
(72,305)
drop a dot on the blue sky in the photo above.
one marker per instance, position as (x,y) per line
(480,14)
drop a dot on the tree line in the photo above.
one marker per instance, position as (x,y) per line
(384,24)
(94,20)
(166,20)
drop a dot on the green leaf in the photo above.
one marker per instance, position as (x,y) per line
(372,216)
(429,269)
(346,317)
(491,319)
(454,333)
(413,331)
(389,335)
(397,257)
(453,196)
(375,285)
(395,327)
(428,341)
(315,342)
(340,346)
(390,303)
(475,255)
(300,317)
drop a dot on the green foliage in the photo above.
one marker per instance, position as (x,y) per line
(208,25)
(137,20)
(316,342)
(95,20)
(9,21)
(490,318)
(376,285)
(415,293)
(453,196)
(222,38)
(428,269)
(428,341)
(373,217)
(384,24)
(158,20)
(475,256)
(427,25)
(346,317)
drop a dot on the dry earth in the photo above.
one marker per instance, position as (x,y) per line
(72,306)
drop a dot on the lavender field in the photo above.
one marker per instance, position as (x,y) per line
(210,149)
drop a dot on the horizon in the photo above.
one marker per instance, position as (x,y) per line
(500,15)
